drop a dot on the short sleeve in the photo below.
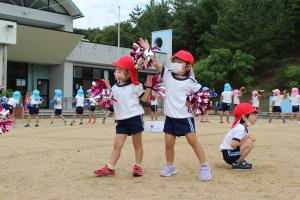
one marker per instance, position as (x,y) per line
(239,133)
(138,90)
(165,74)
(195,87)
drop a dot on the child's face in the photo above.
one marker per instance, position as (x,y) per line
(185,68)
(252,118)
(121,74)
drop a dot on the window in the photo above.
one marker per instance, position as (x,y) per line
(97,73)
(46,5)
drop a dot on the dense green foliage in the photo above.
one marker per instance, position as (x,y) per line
(236,40)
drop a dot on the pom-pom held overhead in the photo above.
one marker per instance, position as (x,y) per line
(141,54)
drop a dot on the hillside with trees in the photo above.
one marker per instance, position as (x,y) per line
(251,43)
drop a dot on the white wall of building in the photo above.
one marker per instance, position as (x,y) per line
(100,54)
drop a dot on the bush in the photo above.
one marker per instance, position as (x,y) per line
(289,76)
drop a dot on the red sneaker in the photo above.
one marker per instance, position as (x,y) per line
(105,171)
(137,170)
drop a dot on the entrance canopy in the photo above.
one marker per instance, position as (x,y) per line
(45,46)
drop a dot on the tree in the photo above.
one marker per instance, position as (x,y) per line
(222,66)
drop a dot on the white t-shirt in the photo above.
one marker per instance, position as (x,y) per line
(295,101)
(154,102)
(277,100)
(79,101)
(34,101)
(176,93)
(58,105)
(227,97)
(13,102)
(128,97)
(255,101)
(92,101)
(238,132)
(236,100)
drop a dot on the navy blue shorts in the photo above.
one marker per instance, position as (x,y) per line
(79,110)
(130,126)
(154,108)
(230,156)
(179,127)
(225,107)
(10,108)
(276,109)
(58,112)
(92,108)
(34,110)
(111,108)
(295,109)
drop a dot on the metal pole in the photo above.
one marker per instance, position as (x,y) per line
(119,33)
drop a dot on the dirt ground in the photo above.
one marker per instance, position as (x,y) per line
(57,163)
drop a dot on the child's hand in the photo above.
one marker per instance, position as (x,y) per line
(149,81)
(252,138)
(107,84)
(144,43)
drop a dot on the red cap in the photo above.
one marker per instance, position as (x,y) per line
(240,110)
(185,56)
(126,63)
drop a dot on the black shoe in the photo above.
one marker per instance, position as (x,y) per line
(37,125)
(27,125)
(71,124)
(241,165)
(80,123)
(247,163)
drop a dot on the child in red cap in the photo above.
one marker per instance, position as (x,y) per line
(179,82)
(128,114)
(237,143)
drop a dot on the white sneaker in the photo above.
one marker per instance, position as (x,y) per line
(168,171)
(205,174)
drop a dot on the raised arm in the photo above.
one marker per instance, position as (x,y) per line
(145,44)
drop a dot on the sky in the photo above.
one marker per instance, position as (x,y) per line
(100,13)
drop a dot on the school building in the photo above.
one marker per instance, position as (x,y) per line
(46,54)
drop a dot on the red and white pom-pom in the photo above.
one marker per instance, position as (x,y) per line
(142,56)
(198,102)
(106,99)
(157,86)
(4,122)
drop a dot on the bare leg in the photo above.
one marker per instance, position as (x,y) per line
(29,119)
(37,120)
(197,147)
(63,118)
(227,116)
(282,117)
(169,145)
(271,117)
(138,147)
(74,118)
(118,145)
(52,118)
(245,148)
(221,116)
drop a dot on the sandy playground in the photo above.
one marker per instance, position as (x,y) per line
(57,163)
